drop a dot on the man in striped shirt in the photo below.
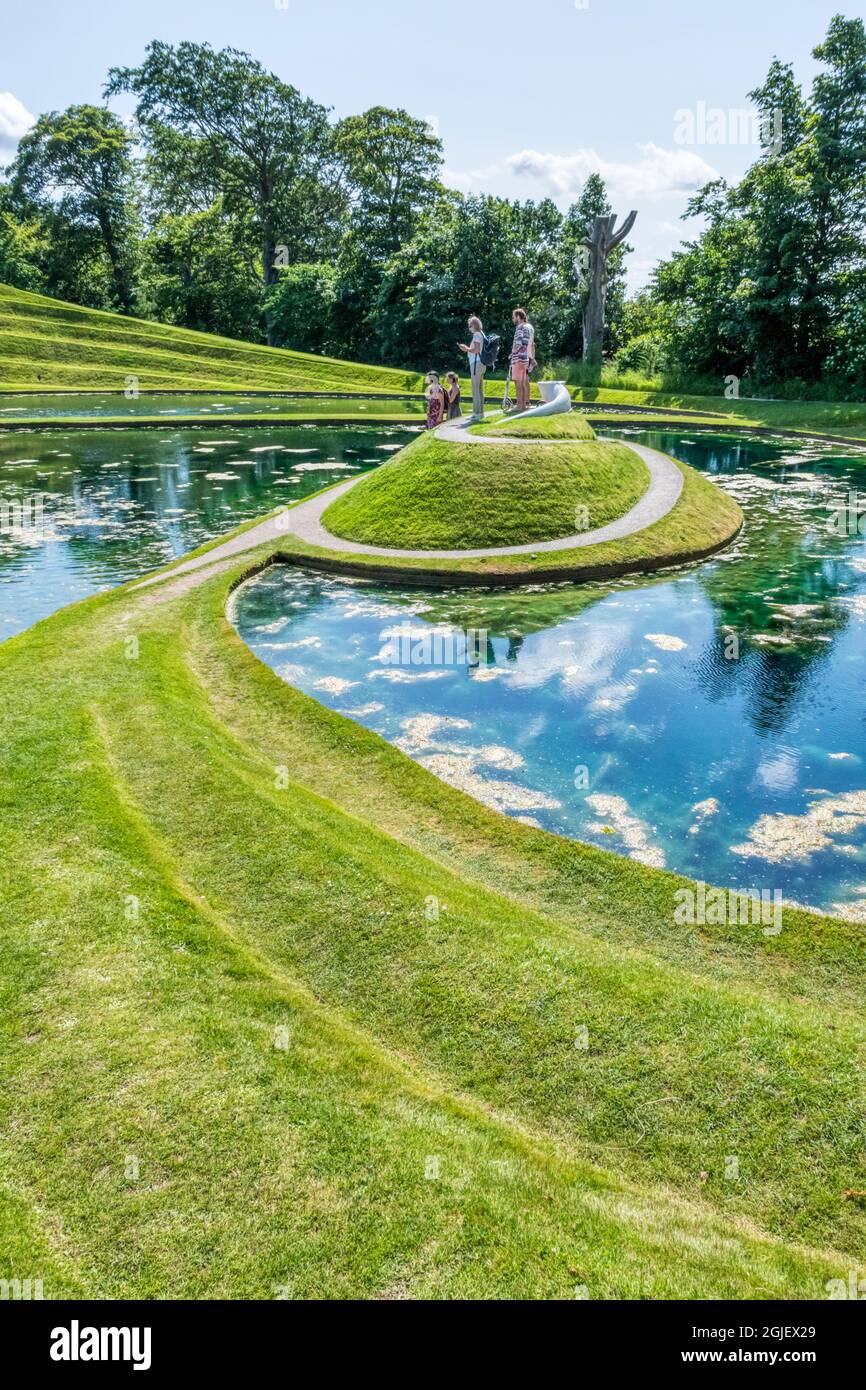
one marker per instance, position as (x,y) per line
(522,356)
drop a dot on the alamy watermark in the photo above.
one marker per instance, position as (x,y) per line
(23,516)
(702,906)
(849,518)
(27,1289)
(852,1287)
(714,125)
(411,646)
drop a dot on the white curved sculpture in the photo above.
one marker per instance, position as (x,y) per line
(555,400)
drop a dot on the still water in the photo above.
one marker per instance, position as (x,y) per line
(710,720)
(84,510)
(99,404)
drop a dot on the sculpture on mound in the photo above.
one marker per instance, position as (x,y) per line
(555,400)
(591,266)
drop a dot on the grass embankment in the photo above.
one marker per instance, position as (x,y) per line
(46,344)
(241,1055)
(436,494)
(846,418)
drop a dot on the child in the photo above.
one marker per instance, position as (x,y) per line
(452,396)
(435,401)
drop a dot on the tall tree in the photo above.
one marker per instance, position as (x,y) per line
(392,162)
(81,161)
(219,122)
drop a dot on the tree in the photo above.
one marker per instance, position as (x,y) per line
(577,229)
(391,161)
(390,164)
(301,307)
(601,243)
(479,255)
(195,273)
(219,123)
(23,244)
(80,159)
(769,291)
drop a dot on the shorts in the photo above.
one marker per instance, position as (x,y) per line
(519,371)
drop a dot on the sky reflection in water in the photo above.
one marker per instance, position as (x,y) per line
(748,772)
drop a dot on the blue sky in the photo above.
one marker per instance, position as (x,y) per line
(528,98)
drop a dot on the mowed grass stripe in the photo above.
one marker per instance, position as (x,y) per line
(44,342)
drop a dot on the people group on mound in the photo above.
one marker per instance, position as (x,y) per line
(443,399)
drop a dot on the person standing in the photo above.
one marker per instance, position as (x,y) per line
(435,401)
(522,356)
(452,396)
(473,349)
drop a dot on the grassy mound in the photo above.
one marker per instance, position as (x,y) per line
(229,974)
(570,426)
(438,495)
(46,344)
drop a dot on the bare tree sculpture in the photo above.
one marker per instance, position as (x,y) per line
(591,266)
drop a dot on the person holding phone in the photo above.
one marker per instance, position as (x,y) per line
(473,349)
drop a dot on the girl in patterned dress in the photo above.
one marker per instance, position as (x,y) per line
(435,401)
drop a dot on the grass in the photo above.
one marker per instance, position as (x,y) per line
(46,344)
(436,494)
(570,426)
(49,345)
(704,520)
(234,1042)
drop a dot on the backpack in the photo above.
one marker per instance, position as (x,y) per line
(490,350)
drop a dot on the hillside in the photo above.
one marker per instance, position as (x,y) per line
(436,493)
(46,344)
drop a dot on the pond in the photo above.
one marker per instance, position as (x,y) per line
(84,510)
(99,404)
(710,720)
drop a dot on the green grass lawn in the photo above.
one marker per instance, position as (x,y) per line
(47,345)
(569,426)
(436,494)
(239,1054)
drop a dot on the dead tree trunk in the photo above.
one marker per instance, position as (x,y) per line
(592,266)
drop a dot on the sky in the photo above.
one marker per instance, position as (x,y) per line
(528,98)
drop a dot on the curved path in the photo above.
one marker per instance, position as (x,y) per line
(304,520)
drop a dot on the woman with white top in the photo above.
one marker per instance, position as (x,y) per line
(473,350)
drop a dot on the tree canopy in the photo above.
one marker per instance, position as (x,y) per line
(236,204)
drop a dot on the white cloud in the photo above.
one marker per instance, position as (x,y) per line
(657,173)
(15,121)
(468,181)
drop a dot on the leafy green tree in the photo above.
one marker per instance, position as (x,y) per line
(81,161)
(23,244)
(391,162)
(301,307)
(480,255)
(218,124)
(195,273)
(769,290)
(834,165)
